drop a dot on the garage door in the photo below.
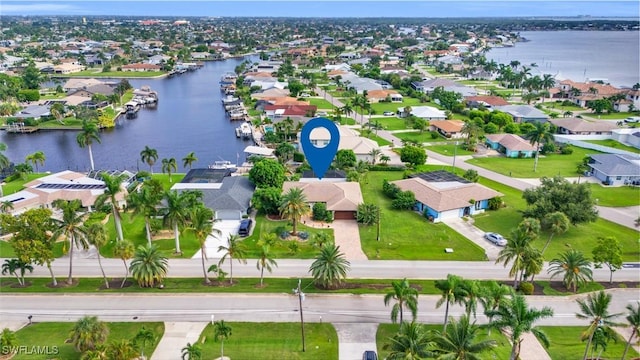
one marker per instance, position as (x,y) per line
(228,215)
(344,215)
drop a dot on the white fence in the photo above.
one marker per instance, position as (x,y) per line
(577,141)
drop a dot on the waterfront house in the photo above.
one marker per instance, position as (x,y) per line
(67,68)
(35,112)
(451,129)
(341,198)
(141,67)
(428,86)
(577,126)
(581,93)
(277,112)
(615,169)
(524,113)
(512,146)
(442,195)
(75,84)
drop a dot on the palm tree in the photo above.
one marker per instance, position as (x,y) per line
(201,225)
(515,316)
(125,251)
(143,337)
(144,202)
(11,266)
(149,156)
(385,159)
(222,332)
(405,297)
(169,166)
(532,263)
(87,333)
(517,246)
(575,268)
(122,349)
(471,129)
(36,158)
(70,227)
(8,340)
(472,293)
(191,352)
(492,295)
(330,267)
(458,342)
(265,261)
(4,160)
(412,342)
(452,293)
(113,187)
(189,159)
(595,309)
(97,236)
(175,213)
(634,322)
(149,267)
(87,136)
(294,206)
(374,153)
(538,135)
(234,249)
(557,223)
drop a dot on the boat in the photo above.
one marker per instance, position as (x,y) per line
(244,131)
(223,165)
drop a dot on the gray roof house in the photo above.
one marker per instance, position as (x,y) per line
(360,84)
(524,113)
(428,86)
(33,111)
(615,169)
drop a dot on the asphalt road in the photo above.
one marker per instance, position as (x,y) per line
(291,268)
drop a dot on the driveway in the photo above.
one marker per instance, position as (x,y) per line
(226,227)
(466,229)
(176,336)
(347,236)
(354,339)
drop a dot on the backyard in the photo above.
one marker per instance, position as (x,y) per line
(319,102)
(615,144)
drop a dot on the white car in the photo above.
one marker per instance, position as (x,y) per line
(496,238)
(388,113)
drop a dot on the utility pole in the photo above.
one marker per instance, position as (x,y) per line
(378,233)
(300,298)
(455,150)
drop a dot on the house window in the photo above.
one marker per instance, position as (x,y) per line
(478,205)
(618,177)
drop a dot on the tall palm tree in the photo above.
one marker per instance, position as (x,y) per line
(234,249)
(175,213)
(405,297)
(149,267)
(4,160)
(122,349)
(191,352)
(70,227)
(124,250)
(492,295)
(36,158)
(412,342)
(517,246)
(459,341)
(222,332)
(633,318)
(532,263)
(143,336)
(575,268)
(113,187)
(595,309)
(472,293)
(556,223)
(471,129)
(293,206)
(265,261)
(189,159)
(87,136)
(88,332)
(169,166)
(97,236)
(17,268)
(540,134)
(144,202)
(201,225)
(452,293)
(515,316)
(330,267)
(149,156)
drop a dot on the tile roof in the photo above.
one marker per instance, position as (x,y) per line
(578,125)
(342,196)
(450,126)
(511,142)
(491,100)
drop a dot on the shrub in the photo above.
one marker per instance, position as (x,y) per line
(284,234)
(495,203)
(303,235)
(434,134)
(319,211)
(298,157)
(386,168)
(526,288)
(566,150)
(405,200)
(548,148)
(390,190)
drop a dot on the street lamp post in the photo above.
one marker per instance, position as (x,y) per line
(455,150)
(298,291)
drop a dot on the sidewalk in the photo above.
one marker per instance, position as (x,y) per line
(176,336)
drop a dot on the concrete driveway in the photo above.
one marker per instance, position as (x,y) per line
(466,229)
(226,227)
(355,339)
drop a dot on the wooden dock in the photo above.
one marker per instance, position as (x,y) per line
(20,129)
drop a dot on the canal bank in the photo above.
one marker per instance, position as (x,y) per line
(189,117)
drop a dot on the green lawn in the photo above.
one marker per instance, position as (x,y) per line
(67,123)
(347,121)
(164,178)
(407,235)
(566,344)
(562,108)
(614,144)
(379,140)
(616,196)
(549,165)
(611,116)
(281,341)
(391,123)
(500,352)
(54,335)
(416,136)
(16,185)
(379,108)
(582,237)
(449,150)
(588,287)
(319,102)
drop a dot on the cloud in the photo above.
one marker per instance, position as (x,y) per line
(22,8)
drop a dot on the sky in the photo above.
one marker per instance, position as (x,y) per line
(336,8)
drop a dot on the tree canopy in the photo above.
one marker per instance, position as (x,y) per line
(558,194)
(267,173)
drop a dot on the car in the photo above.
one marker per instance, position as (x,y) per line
(305,95)
(632,119)
(245,227)
(321,113)
(388,113)
(496,238)
(369,355)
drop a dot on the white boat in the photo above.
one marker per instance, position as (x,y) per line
(244,131)
(223,165)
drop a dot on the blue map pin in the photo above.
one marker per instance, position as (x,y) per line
(320,158)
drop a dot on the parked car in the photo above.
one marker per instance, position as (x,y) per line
(321,113)
(369,355)
(496,238)
(632,119)
(388,113)
(245,227)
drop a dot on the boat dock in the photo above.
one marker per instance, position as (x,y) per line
(19,128)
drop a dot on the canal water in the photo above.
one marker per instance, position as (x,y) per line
(189,117)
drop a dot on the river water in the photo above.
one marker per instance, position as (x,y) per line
(189,117)
(578,55)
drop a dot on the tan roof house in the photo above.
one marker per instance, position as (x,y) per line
(511,145)
(375,96)
(576,126)
(141,67)
(448,128)
(341,198)
(349,140)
